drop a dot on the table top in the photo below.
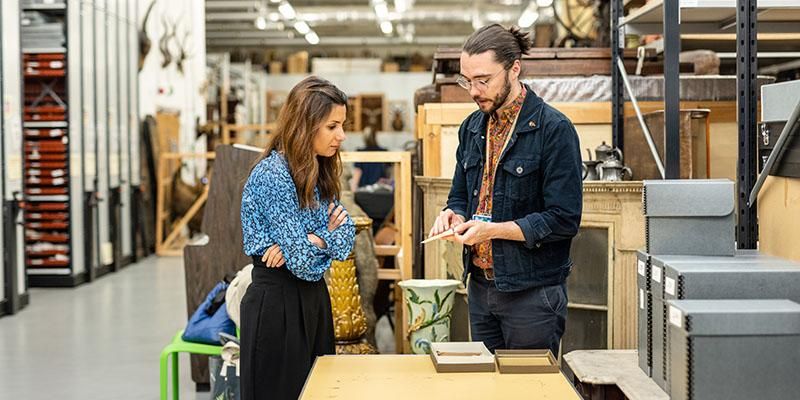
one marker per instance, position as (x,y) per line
(405,377)
(614,367)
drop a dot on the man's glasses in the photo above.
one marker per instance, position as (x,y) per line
(480,84)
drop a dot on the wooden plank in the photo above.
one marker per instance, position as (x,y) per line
(176,230)
(388,274)
(180,156)
(386,251)
(372,156)
(252,127)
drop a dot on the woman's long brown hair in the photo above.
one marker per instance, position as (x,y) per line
(307,107)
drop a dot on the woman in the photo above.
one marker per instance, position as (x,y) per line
(293,226)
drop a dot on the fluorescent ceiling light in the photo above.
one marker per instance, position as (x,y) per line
(302,27)
(544,3)
(287,11)
(386,27)
(528,17)
(312,38)
(381,11)
(274,17)
(261,22)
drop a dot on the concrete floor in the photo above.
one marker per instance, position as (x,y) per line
(102,340)
(98,341)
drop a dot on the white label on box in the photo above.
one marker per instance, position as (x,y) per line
(669,286)
(641,299)
(656,271)
(641,267)
(675,317)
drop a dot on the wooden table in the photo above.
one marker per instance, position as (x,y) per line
(352,377)
(611,374)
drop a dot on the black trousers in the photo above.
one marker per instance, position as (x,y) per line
(286,323)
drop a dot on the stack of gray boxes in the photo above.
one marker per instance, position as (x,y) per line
(690,255)
(734,349)
(682,217)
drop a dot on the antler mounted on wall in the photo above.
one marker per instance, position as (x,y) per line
(144,41)
(163,43)
(183,50)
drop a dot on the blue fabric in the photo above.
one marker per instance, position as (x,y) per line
(271,214)
(533,318)
(538,186)
(204,327)
(370,172)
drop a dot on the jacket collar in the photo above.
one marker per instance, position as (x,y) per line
(529,115)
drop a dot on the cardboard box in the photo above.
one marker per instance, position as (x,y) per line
(526,362)
(734,349)
(461,357)
(690,217)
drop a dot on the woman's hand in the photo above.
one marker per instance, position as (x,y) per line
(336,216)
(273,257)
(317,241)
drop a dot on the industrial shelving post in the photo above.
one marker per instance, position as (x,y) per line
(670,18)
(13,280)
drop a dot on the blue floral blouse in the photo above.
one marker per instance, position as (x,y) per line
(271,215)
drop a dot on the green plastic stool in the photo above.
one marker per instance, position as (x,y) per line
(177,346)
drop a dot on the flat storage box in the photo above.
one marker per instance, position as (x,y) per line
(644,312)
(658,330)
(747,279)
(526,362)
(689,217)
(734,349)
(462,357)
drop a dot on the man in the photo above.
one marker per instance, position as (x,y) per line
(516,198)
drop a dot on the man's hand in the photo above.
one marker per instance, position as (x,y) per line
(317,241)
(447,219)
(273,257)
(336,217)
(474,232)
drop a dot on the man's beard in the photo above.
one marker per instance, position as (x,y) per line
(498,100)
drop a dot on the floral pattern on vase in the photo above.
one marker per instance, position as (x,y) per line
(429,304)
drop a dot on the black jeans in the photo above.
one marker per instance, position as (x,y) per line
(286,323)
(528,319)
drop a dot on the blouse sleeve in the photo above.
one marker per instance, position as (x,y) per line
(340,241)
(286,225)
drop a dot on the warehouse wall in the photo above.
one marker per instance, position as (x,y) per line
(399,86)
(167,88)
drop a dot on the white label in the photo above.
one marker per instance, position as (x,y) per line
(669,286)
(675,317)
(641,299)
(641,267)
(656,271)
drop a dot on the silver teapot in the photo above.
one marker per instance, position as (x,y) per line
(613,170)
(590,170)
(605,152)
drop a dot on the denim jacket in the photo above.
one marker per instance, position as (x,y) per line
(538,186)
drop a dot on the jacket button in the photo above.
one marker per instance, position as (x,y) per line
(474,192)
(538,245)
(519,170)
(532,124)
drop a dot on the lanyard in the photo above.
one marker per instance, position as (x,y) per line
(505,144)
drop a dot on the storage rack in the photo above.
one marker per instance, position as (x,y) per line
(48,128)
(706,16)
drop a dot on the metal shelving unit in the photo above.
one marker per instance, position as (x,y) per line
(52,150)
(671,19)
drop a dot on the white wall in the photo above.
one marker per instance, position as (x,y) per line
(396,86)
(168,88)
